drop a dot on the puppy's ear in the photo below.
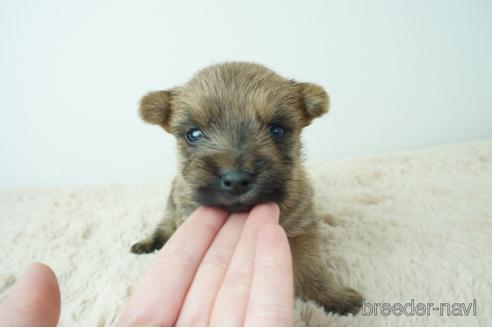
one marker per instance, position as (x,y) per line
(155,108)
(314,99)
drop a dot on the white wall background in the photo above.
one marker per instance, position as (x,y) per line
(401,74)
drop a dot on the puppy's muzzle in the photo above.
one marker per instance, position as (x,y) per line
(236,182)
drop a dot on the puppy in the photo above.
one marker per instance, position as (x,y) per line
(238,128)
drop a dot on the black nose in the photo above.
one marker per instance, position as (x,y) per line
(236,182)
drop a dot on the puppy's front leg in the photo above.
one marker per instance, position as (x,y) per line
(158,238)
(312,280)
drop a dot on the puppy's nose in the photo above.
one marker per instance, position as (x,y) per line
(236,182)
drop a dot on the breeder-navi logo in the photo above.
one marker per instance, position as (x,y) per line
(419,309)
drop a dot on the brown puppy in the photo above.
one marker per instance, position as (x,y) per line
(238,128)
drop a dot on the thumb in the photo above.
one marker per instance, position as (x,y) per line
(34,300)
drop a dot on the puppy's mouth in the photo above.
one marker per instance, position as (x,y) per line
(230,203)
(238,203)
(237,207)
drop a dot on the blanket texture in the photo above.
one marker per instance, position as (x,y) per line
(411,227)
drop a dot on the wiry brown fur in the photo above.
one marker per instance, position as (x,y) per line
(234,104)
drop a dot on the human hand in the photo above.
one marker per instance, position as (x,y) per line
(213,271)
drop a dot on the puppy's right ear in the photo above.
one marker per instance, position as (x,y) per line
(155,108)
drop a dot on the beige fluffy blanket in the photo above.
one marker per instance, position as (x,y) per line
(411,227)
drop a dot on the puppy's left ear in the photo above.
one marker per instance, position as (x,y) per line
(315,101)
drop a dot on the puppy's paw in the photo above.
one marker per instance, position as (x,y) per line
(347,301)
(146,246)
(330,219)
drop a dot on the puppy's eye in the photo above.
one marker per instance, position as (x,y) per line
(276,130)
(193,135)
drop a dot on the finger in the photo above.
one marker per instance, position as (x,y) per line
(272,290)
(34,300)
(232,299)
(203,291)
(161,291)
